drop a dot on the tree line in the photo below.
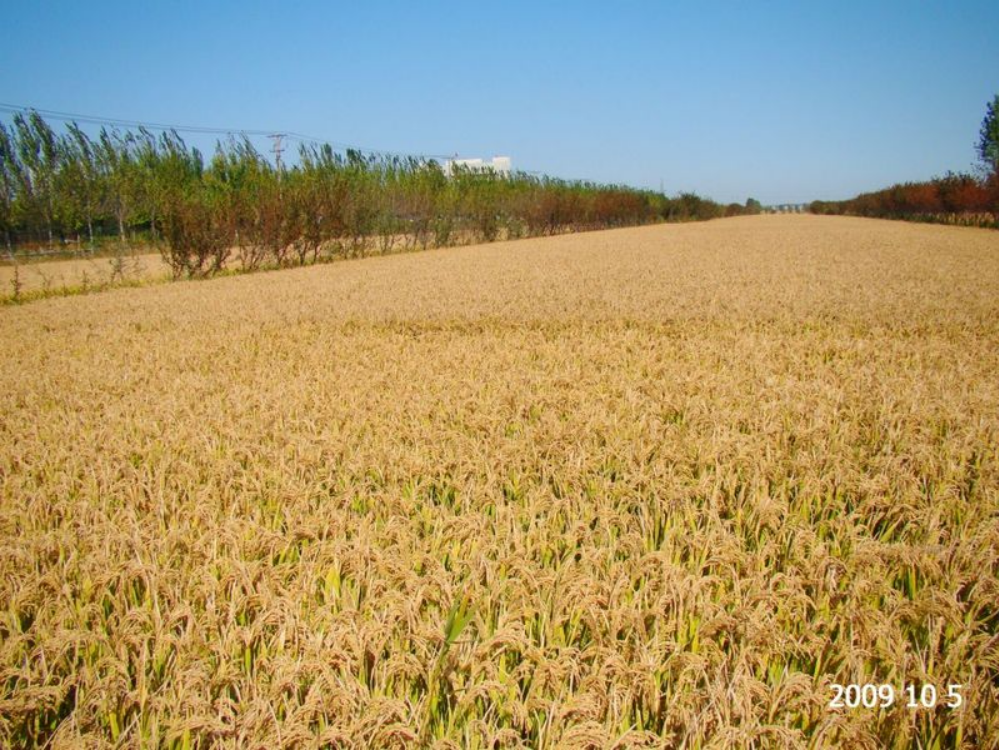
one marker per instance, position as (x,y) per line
(239,208)
(956,198)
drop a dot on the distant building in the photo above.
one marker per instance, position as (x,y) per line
(500,165)
(786,208)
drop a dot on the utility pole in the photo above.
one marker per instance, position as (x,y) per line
(277,148)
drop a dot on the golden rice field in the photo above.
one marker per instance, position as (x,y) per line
(654,487)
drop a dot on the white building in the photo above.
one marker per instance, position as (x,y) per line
(501,165)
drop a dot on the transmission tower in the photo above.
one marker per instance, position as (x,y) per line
(277,148)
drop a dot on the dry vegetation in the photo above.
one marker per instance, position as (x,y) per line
(65,277)
(655,486)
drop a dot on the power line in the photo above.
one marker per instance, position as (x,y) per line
(62,116)
(95,120)
(363,149)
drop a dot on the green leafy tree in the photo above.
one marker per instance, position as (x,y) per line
(9,179)
(78,180)
(988,137)
(38,152)
(118,166)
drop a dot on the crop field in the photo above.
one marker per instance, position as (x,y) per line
(648,487)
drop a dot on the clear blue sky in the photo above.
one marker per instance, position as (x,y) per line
(780,101)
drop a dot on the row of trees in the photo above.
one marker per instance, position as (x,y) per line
(141,187)
(954,198)
(54,186)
